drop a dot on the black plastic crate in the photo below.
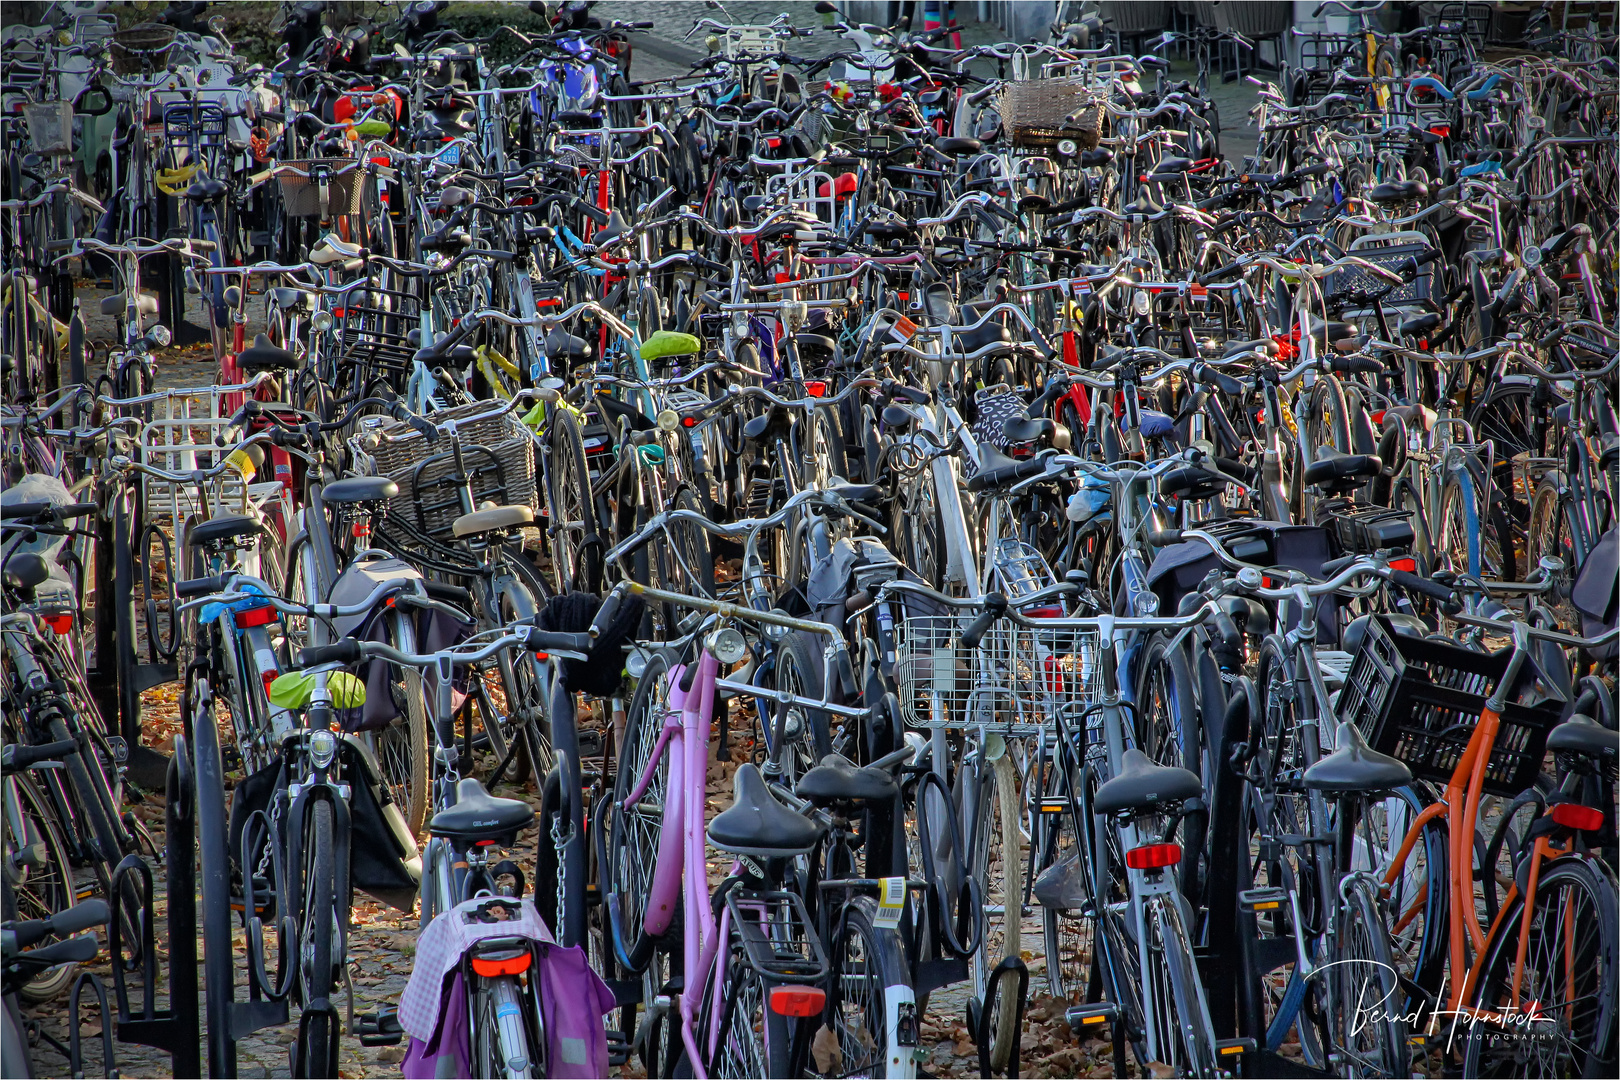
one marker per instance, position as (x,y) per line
(1362,530)
(1420,700)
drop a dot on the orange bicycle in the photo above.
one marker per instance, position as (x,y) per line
(1529,983)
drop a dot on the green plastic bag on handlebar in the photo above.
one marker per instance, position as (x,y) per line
(294,689)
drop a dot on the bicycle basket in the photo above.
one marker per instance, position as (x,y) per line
(498,452)
(301,195)
(1016,682)
(1039,112)
(50,126)
(1353,279)
(141,47)
(1419,701)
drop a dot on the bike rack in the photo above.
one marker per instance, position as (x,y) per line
(174,1029)
(992,990)
(109,1057)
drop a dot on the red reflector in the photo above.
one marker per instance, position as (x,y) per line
(1409,565)
(339,313)
(268,677)
(542,656)
(816,389)
(1153,856)
(1378,417)
(798,1000)
(62,624)
(360,528)
(259,616)
(1576,816)
(689,421)
(1441,130)
(511,965)
(1043,613)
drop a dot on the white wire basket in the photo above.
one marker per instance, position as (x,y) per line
(1017,682)
(187,432)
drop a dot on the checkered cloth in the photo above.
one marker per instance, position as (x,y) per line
(440,949)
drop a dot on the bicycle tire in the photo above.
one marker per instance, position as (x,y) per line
(1369,1024)
(998,863)
(1584,1037)
(317,1047)
(1189,1027)
(37,889)
(576,560)
(804,734)
(403,749)
(214,873)
(634,836)
(862,1022)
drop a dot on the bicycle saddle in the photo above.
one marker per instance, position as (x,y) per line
(1420,325)
(669,343)
(293,299)
(858,493)
(1581,734)
(1141,785)
(1334,471)
(220,530)
(616,227)
(359,489)
(1157,425)
(1190,481)
(27,569)
(1398,191)
(1354,636)
(491,519)
(1336,331)
(146,304)
(991,333)
(478,815)
(263,356)
(808,340)
(1421,415)
(839,780)
(756,824)
(1356,767)
(997,470)
(560,344)
(206,190)
(947,144)
(332,250)
(884,231)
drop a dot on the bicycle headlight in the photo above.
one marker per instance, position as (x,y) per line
(727,645)
(321,320)
(1068,147)
(669,420)
(158,337)
(322,748)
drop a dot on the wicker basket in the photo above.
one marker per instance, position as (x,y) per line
(141,48)
(1039,112)
(301,195)
(50,126)
(498,452)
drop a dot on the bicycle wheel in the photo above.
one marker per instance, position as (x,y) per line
(1550,531)
(1416,899)
(214,870)
(634,832)
(403,748)
(1181,1030)
(500,1035)
(1368,1021)
(38,872)
(870,979)
(736,1049)
(998,863)
(919,529)
(317,1046)
(576,551)
(1065,932)
(1561,1020)
(1459,545)
(799,737)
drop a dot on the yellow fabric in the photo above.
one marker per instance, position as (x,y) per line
(175,181)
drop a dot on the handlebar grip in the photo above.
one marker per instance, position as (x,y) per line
(347,651)
(1163,537)
(1357,364)
(22,756)
(81,916)
(1432,589)
(1223,382)
(644,24)
(60,245)
(1409,267)
(1226,629)
(449,594)
(995,606)
(1553,338)
(553,641)
(1055,388)
(606,613)
(75,510)
(201,586)
(1215,275)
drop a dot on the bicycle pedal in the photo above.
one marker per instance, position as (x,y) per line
(380,1028)
(1226,1048)
(1268,898)
(1093,1016)
(590,744)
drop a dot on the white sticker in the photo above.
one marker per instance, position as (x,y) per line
(891,903)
